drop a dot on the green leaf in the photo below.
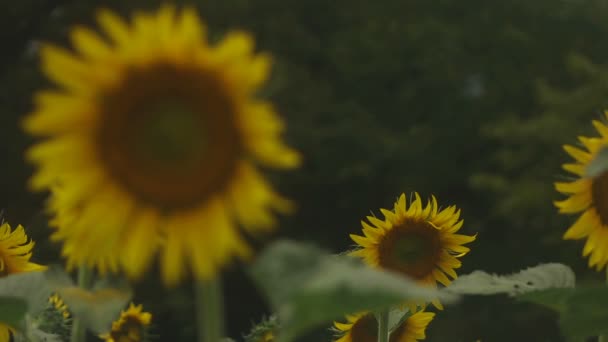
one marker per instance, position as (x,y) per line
(308,287)
(583,311)
(32,287)
(12,310)
(598,165)
(543,276)
(556,299)
(97,308)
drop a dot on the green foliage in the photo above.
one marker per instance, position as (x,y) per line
(308,287)
(268,326)
(52,320)
(583,310)
(96,308)
(13,310)
(544,276)
(30,287)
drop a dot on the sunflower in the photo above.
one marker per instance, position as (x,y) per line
(130,327)
(588,195)
(263,331)
(59,306)
(55,318)
(153,138)
(15,254)
(419,242)
(363,327)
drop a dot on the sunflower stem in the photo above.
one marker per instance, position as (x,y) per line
(210,310)
(78,330)
(604,337)
(383,326)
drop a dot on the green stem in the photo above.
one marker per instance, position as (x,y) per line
(78,330)
(603,337)
(383,326)
(210,310)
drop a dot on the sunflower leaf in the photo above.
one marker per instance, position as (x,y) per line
(598,165)
(96,308)
(583,311)
(309,287)
(12,310)
(544,276)
(29,286)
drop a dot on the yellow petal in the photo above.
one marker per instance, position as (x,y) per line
(583,225)
(601,128)
(578,185)
(63,68)
(89,44)
(113,26)
(400,206)
(580,155)
(575,203)
(577,169)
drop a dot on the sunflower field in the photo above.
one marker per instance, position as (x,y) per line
(304,171)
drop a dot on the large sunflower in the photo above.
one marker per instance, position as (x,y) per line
(363,327)
(15,254)
(419,242)
(588,195)
(130,327)
(154,137)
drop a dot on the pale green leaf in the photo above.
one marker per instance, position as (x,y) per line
(544,276)
(309,287)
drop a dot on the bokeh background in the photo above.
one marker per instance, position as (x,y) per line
(467,100)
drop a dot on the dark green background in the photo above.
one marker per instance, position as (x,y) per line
(467,100)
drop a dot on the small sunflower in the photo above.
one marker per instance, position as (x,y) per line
(363,327)
(418,242)
(59,305)
(15,254)
(588,195)
(55,318)
(152,142)
(263,331)
(130,327)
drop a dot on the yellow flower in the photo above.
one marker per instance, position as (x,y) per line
(152,143)
(418,242)
(130,327)
(15,254)
(363,327)
(588,195)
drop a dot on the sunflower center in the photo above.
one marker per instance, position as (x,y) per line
(131,330)
(411,248)
(599,193)
(172,133)
(365,329)
(169,135)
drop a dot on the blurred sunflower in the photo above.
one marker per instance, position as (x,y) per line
(267,337)
(130,327)
(15,254)
(419,242)
(588,195)
(155,135)
(363,327)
